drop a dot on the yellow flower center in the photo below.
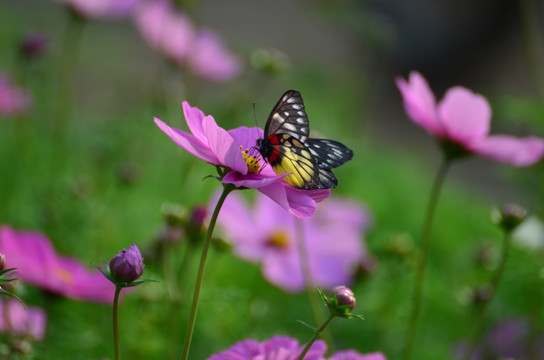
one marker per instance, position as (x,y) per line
(252,160)
(278,240)
(63,275)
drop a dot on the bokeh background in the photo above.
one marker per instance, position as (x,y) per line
(101,186)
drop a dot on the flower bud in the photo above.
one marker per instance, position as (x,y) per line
(3,263)
(174,214)
(195,223)
(33,45)
(509,216)
(345,296)
(127,265)
(270,61)
(342,301)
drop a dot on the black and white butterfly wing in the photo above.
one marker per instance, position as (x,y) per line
(289,150)
(329,154)
(289,117)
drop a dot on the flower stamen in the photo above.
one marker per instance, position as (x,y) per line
(252,159)
(278,240)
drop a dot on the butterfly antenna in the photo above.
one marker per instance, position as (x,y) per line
(255,115)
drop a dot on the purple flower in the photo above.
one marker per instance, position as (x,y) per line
(286,348)
(462,120)
(223,148)
(29,322)
(267,234)
(108,9)
(38,264)
(13,100)
(276,348)
(173,33)
(127,265)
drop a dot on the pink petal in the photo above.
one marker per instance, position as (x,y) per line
(419,102)
(251,181)
(210,58)
(27,321)
(188,142)
(509,149)
(301,203)
(465,116)
(223,146)
(194,117)
(83,283)
(246,137)
(31,253)
(234,218)
(284,271)
(164,29)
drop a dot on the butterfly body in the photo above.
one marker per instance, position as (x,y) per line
(287,147)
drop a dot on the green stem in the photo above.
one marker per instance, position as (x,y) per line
(480,323)
(422,259)
(313,300)
(314,337)
(227,188)
(116,323)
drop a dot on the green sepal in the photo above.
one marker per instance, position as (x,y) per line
(308,325)
(107,273)
(7,293)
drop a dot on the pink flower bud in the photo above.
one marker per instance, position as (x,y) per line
(127,265)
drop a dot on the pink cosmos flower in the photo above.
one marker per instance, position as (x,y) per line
(462,119)
(267,234)
(29,322)
(13,100)
(173,33)
(38,264)
(223,148)
(286,348)
(107,9)
(276,348)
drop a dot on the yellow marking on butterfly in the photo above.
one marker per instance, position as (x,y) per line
(252,162)
(301,170)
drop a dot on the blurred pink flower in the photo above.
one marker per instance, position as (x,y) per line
(286,348)
(13,100)
(210,59)
(107,9)
(267,234)
(38,264)
(223,148)
(30,321)
(276,348)
(462,119)
(173,33)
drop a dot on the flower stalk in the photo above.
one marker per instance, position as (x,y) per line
(227,188)
(422,258)
(509,218)
(316,335)
(117,351)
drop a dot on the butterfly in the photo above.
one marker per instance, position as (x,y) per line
(287,147)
